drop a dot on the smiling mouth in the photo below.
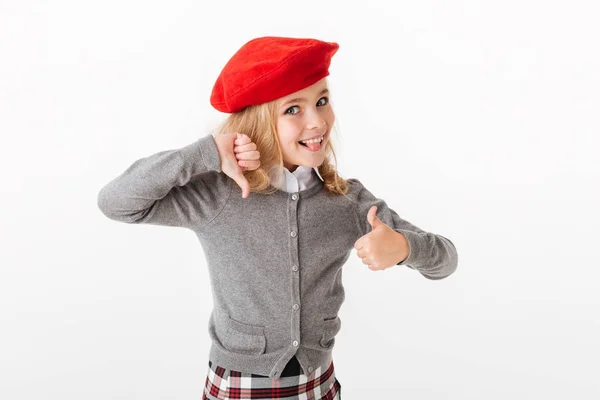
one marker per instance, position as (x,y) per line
(314,146)
(314,143)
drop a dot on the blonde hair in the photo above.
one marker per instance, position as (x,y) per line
(259,123)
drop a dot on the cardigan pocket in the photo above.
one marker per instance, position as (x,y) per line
(330,328)
(239,337)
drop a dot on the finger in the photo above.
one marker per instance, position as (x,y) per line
(242,139)
(248,155)
(249,164)
(244,147)
(358,244)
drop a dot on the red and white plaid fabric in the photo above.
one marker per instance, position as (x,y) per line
(223,384)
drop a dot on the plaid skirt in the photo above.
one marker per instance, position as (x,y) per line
(224,384)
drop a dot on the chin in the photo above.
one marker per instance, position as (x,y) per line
(314,163)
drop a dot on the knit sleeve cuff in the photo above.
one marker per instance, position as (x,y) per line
(413,246)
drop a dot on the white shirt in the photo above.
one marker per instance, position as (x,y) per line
(302,178)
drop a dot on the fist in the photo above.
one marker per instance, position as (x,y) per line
(238,153)
(383,247)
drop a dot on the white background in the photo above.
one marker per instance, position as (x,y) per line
(476,120)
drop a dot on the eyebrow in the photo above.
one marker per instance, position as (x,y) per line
(302,100)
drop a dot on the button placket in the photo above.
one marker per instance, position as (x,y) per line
(295,300)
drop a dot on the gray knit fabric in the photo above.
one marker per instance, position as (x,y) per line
(275,261)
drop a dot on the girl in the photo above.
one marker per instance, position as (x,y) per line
(275,220)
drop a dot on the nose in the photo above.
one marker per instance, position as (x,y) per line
(316,123)
(315,119)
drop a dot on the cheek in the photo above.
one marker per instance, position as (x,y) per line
(330,116)
(287,132)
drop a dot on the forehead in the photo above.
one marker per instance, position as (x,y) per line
(306,93)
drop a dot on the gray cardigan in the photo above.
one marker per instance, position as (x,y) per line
(274,261)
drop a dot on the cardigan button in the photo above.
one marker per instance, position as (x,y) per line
(296,306)
(310,369)
(295,343)
(294,268)
(294,196)
(293,233)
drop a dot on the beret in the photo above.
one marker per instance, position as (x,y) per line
(270,67)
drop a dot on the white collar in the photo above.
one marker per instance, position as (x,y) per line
(302,178)
(302,171)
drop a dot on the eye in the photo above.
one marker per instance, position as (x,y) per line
(324,97)
(292,107)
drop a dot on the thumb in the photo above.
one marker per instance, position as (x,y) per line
(242,182)
(372,218)
(239,177)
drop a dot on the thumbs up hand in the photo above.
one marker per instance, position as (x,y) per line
(238,153)
(383,247)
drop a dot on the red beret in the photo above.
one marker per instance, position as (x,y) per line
(270,67)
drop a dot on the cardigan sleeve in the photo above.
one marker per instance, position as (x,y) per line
(433,255)
(181,187)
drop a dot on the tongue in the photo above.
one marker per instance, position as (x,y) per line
(313,146)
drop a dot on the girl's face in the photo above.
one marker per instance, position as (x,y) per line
(303,115)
